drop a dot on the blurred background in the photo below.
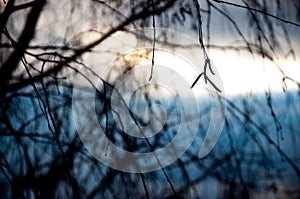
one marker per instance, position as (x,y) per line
(48,47)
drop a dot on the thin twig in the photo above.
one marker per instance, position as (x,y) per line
(145,186)
(154,40)
(207,60)
(258,11)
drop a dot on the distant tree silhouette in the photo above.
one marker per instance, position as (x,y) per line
(42,49)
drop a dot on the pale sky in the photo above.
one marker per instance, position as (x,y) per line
(240,73)
(243,74)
